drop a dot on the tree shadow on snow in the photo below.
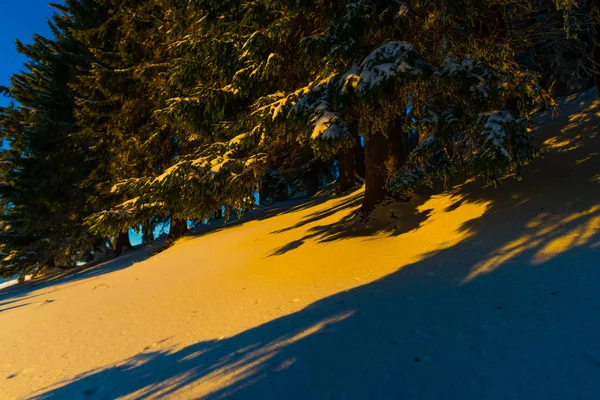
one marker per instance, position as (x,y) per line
(265,212)
(567,159)
(507,313)
(397,219)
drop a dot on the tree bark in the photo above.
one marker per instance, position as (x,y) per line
(359,158)
(148,232)
(384,156)
(122,243)
(281,194)
(218,213)
(178,228)
(99,246)
(398,146)
(347,178)
(376,154)
(358,151)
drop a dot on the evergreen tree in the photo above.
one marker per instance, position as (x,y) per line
(446,70)
(387,71)
(227,61)
(44,202)
(116,102)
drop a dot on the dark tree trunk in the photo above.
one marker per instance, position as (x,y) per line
(311,184)
(596,42)
(148,232)
(398,148)
(99,247)
(122,243)
(98,242)
(178,228)
(218,213)
(281,194)
(384,156)
(359,151)
(88,256)
(262,194)
(359,158)
(412,141)
(347,178)
(50,263)
(376,154)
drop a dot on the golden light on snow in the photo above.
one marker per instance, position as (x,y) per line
(245,363)
(228,309)
(549,235)
(562,144)
(541,235)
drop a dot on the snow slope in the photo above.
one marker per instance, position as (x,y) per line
(6,283)
(477,293)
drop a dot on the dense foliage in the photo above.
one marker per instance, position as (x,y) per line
(139,112)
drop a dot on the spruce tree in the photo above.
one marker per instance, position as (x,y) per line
(447,71)
(228,63)
(116,102)
(43,198)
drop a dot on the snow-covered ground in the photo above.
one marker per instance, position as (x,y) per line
(477,293)
(6,283)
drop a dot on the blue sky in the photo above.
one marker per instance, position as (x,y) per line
(20,19)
